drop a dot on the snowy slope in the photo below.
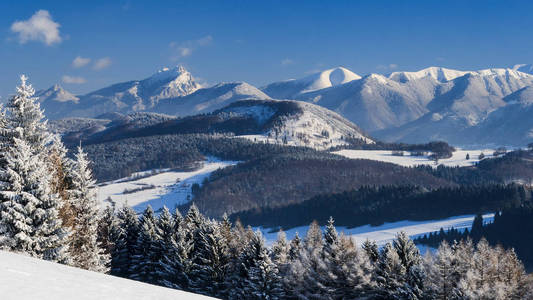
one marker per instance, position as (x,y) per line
(292,88)
(436,73)
(165,187)
(387,232)
(27,278)
(458,158)
(209,99)
(375,101)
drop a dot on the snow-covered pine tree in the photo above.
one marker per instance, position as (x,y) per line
(412,261)
(211,260)
(29,208)
(295,247)
(349,270)
(108,232)
(262,280)
(307,271)
(371,249)
(280,251)
(84,249)
(145,262)
(442,280)
(389,274)
(124,249)
(177,248)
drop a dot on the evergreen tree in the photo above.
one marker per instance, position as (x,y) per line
(389,274)
(84,249)
(177,250)
(372,250)
(108,232)
(28,207)
(125,243)
(295,247)
(263,280)
(145,261)
(211,261)
(280,250)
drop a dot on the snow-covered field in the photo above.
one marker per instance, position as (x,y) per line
(27,278)
(168,188)
(387,232)
(458,158)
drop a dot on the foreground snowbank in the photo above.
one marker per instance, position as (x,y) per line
(27,278)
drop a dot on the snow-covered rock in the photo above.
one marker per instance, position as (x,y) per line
(28,278)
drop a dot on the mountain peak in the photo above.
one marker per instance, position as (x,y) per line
(437,73)
(170,83)
(56,93)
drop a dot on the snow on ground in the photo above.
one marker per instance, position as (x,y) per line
(28,278)
(458,157)
(385,233)
(167,187)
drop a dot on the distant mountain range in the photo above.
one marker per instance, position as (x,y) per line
(283,122)
(489,106)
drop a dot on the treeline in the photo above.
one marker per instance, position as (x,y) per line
(118,159)
(280,180)
(514,166)
(378,204)
(438,148)
(225,260)
(510,228)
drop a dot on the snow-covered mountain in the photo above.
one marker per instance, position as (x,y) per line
(291,89)
(295,123)
(273,121)
(170,91)
(55,93)
(460,106)
(433,103)
(209,99)
(28,278)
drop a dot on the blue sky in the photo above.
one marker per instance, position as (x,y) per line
(254,41)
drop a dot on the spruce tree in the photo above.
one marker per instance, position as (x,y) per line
(84,249)
(262,280)
(147,254)
(29,208)
(125,243)
(177,250)
(211,261)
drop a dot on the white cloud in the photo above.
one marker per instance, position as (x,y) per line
(102,63)
(186,48)
(79,61)
(40,27)
(73,79)
(286,62)
(387,67)
(184,51)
